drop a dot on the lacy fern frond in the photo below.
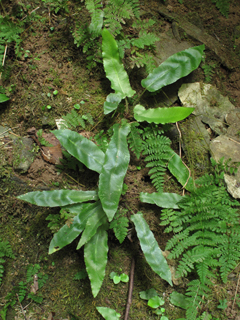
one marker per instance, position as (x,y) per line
(158,151)
(117,11)
(9,33)
(73,120)
(229,254)
(5,251)
(207,236)
(95,9)
(145,39)
(120,225)
(134,139)
(223,6)
(142,60)
(196,293)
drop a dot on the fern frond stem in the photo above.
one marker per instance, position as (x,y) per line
(126,102)
(166,96)
(3,60)
(97,122)
(21,307)
(236,290)
(180,138)
(139,97)
(30,13)
(74,180)
(188,176)
(130,290)
(3,9)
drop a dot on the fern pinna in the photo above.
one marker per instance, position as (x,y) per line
(5,251)
(206,236)
(158,151)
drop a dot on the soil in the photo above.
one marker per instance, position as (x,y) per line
(54,62)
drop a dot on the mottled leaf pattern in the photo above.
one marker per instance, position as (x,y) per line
(150,248)
(96,220)
(175,67)
(113,66)
(95,257)
(58,198)
(163,200)
(81,148)
(70,232)
(114,170)
(161,115)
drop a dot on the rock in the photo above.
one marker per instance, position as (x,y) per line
(233,186)
(23,154)
(233,120)
(224,146)
(196,141)
(209,104)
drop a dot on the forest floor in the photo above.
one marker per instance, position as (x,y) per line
(51,61)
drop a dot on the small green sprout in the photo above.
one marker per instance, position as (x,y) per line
(55,92)
(49,107)
(49,95)
(223,304)
(154,301)
(76,106)
(117,278)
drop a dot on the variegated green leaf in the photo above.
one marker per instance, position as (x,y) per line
(95,257)
(112,102)
(3,98)
(114,170)
(81,148)
(175,67)
(96,220)
(161,115)
(108,314)
(181,172)
(163,200)
(150,248)
(113,66)
(68,233)
(58,198)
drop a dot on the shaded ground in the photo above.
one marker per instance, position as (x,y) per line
(54,63)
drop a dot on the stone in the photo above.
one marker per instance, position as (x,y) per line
(23,154)
(209,104)
(224,146)
(196,141)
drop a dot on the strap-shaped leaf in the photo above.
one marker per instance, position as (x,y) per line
(150,248)
(175,67)
(114,170)
(95,257)
(81,148)
(68,233)
(108,314)
(96,220)
(112,102)
(161,115)
(181,172)
(113,66)
(3,98)
(58,198)
(163,200)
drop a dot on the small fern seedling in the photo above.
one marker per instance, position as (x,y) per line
(158,151)
(5,251)
(120,225)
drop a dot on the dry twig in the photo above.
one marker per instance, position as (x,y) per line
(130,289)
